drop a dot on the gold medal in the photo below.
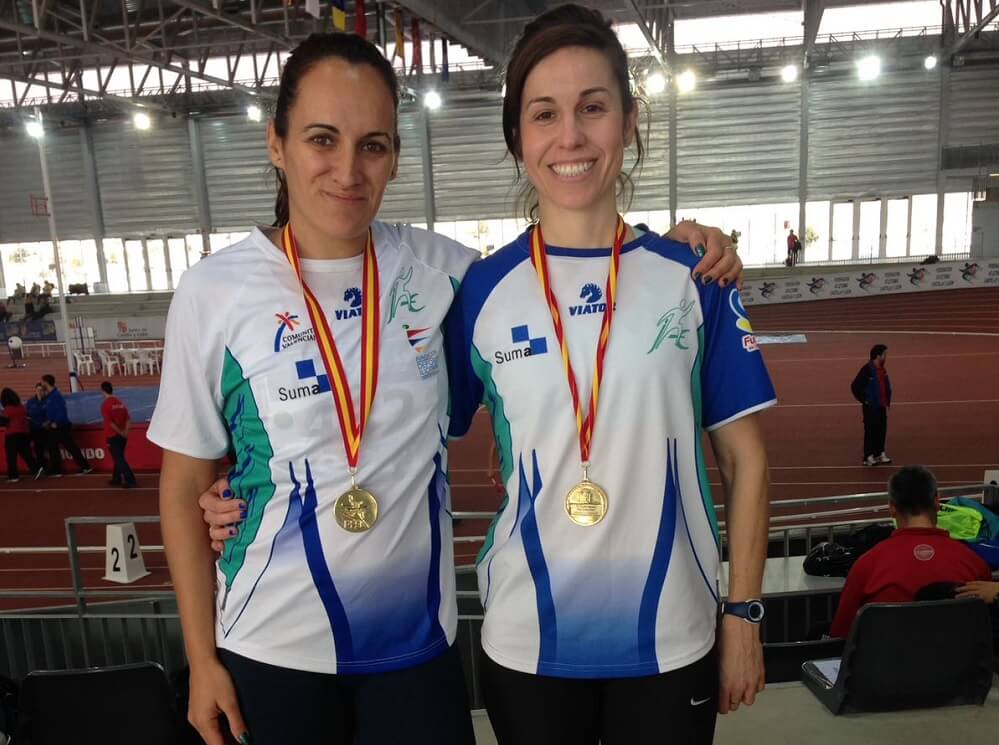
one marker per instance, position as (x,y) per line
(356,510)
(586,503)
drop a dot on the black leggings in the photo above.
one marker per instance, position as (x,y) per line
(675,707)
(422,705)
(17,444)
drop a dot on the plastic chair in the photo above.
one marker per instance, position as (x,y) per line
(148,361)
(85,363)
(130,361)
(119,705)
(110,364)
(909,656)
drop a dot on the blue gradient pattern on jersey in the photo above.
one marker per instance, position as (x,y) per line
(536,562)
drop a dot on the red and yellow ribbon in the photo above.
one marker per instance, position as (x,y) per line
(351,426)
(539,258)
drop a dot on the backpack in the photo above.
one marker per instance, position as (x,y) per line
(829,559)
(990,521)
(963,523)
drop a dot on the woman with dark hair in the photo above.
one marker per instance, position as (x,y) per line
(17,440)
(599,573)
(335,596)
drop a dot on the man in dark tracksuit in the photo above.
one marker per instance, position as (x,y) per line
(60,430)
(872,389)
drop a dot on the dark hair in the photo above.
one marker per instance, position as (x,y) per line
(107,387)
(316,48)
(877,350)
(912,490)
(568,25)
(8,397)
(50,379)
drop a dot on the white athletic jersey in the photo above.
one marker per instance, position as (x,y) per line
(635,594)
(242,374)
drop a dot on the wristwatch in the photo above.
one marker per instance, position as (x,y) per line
(750,611)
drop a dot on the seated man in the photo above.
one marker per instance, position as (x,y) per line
(917,553)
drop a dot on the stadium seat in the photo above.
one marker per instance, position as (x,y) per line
(783,660)
(910,655)
(119,705)
(109,364)
(84,363)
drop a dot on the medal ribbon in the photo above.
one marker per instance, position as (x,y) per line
(351,427)
(539,258)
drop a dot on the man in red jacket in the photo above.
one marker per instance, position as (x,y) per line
(116,421)
(917,554)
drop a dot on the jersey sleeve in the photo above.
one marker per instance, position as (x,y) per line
(465,387)
(188,418)
(734,379)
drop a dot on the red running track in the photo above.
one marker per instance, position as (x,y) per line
(943,359)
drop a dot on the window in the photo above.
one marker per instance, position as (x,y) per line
(869,241)
(135,265)
(924,225)
(897,229)
(842,232)
(114,256)
(957,223)
(816,238)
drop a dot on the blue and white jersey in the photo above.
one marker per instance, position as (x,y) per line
(636,594)
(242,373)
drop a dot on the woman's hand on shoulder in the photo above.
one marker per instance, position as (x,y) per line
(719,260)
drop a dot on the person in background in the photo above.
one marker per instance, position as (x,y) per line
(116,423)
(872,388)
(17,441)
(793,248)
(917,553)
(59,430)
(36,421)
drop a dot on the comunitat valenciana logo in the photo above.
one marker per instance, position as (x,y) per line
(522,335)
(288,331)
(742,323)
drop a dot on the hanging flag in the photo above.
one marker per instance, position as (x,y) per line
(312,8)
(360,19)
(445,73)
(400,37)
(414,32)
(339,10)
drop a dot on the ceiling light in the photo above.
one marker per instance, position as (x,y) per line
(686,82)
(34,128)
(869,67)
(432,100)
(655,83)
(789,73)
(142,121)
(253,113)
(930,62)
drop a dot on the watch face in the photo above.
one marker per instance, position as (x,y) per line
(755,611)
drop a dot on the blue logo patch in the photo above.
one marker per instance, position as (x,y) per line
(592,294)
(306,370)
(353,299)
(520,334)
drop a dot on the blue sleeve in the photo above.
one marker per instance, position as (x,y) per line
(734,378)
(465,388)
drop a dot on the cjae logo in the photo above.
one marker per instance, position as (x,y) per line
(592,294)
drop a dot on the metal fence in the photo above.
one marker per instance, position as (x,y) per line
(88,628)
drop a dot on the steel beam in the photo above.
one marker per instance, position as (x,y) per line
(236,21)
(657,51)
(973,32)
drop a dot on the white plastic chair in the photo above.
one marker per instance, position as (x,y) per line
(147,361)
(129,361)
(85,363)
(110,364)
